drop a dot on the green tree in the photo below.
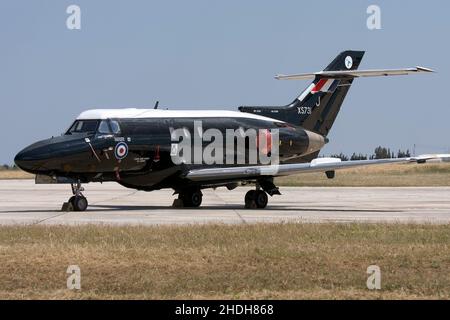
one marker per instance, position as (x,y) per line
(358,156)
(341,156)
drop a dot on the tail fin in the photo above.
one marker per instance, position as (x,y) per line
(318,105)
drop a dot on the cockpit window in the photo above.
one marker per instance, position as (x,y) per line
(83,126)
(92,126)
(104,127)
(109,127)
(115,126)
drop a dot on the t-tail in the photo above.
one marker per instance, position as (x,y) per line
(317,107)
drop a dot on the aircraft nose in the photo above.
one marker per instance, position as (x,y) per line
(24,160)
(28,159)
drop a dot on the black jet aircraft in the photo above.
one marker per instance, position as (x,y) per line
(138,148)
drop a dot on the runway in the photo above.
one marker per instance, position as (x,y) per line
(22,202)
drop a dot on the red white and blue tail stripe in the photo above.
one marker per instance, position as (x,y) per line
(323,85)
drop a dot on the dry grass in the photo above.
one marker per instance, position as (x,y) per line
(276,261)
(394,175)
(14,174)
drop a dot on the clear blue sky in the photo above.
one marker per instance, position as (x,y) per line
(222,54)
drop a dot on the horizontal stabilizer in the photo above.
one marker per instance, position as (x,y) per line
(349,74)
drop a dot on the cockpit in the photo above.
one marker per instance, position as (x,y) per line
(94,126)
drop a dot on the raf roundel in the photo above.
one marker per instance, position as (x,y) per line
(121,150)
(348,62)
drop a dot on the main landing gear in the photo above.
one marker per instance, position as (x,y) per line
(256,199)
(77,202)
(190,198)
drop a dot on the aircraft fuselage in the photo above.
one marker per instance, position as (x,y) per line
(149,161)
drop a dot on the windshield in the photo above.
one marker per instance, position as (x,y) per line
(92,126)
(83,126)
(109,127)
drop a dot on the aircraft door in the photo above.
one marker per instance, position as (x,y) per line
(106,144)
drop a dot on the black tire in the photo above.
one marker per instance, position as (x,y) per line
(261,199)
(250,198)
(192,199)
(79,203)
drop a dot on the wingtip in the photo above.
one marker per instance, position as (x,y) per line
(423,69)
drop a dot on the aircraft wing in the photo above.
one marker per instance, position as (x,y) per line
(317,165)
(353,73)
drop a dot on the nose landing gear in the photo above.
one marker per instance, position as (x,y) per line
(77,202)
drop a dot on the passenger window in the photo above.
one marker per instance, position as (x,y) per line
(104,127)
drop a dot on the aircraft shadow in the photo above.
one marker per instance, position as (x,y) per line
(226,207)
(112,208)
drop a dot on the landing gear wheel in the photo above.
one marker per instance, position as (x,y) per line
(79,203)
(250,199)
(256,199)
(261,199)
(191,198)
